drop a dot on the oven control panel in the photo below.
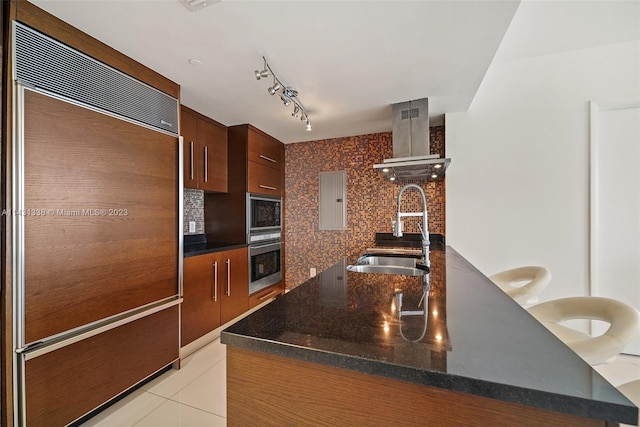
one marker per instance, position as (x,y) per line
(253,238)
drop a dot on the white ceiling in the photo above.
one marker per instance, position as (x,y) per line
(349,60)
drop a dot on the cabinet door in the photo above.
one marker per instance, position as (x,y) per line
(212,141)
(264,180)
(200,314)
(265,151)
(189,131)
(235,293)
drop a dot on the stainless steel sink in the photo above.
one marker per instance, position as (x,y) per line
(388,260)
(386,269)
(388,265)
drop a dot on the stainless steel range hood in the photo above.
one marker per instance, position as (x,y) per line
(412,159)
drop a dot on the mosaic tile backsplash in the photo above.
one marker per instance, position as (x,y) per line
(371,200)
(193,210)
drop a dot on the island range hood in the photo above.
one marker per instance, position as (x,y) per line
(412,159)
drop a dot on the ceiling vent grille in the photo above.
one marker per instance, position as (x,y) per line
(49,65)
(413,113)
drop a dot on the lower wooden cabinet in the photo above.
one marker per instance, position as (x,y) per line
(234,284)
(215,289)
(266,294)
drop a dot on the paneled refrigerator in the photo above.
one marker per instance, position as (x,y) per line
(96,226)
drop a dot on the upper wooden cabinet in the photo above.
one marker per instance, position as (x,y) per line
(264,150)
(264,159)
(205,152)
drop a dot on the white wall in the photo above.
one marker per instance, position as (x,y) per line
(518,184)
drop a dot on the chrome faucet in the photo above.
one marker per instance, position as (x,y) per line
(424,230)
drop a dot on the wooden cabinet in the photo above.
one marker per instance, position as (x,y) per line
(205,152)
(200,311)
(234,284)
(257,159)
(264,180)
(256,165)
(266,294)
(215,290)
(265,163)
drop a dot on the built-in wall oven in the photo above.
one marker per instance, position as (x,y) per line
(264,235)
(265,265)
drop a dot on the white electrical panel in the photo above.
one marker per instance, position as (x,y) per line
(333,200)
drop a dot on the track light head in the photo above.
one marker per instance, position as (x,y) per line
(273,89)
(263,73)
(285,99)
(308,125)
(296,110)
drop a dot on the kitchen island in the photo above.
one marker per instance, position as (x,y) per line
(344,349)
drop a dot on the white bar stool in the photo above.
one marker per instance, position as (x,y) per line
(623,319)
(523,284)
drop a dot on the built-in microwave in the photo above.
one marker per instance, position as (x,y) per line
(264,213)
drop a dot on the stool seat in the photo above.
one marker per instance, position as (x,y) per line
(623,319)
(523,284)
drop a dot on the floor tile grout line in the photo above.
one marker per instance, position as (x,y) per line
(181,404)
(199,409)
(177,372)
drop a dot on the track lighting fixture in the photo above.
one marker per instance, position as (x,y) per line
(288,96)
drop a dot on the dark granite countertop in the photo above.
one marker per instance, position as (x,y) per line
(197,245)
(477,339)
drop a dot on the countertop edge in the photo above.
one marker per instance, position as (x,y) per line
(205,251)
(503,392)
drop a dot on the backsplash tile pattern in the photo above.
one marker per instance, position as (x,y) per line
(193,210)
(371,200)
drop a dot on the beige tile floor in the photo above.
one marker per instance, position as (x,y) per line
(195,395)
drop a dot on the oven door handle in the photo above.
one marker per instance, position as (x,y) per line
(261,249)
(266,245)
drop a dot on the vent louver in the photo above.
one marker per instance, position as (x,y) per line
(410,114)
(47,64)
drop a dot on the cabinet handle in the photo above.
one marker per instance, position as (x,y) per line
(206,164)
(215,281)
(269,159)
(191,172)
(228,277)
(269,295)
(267,187)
